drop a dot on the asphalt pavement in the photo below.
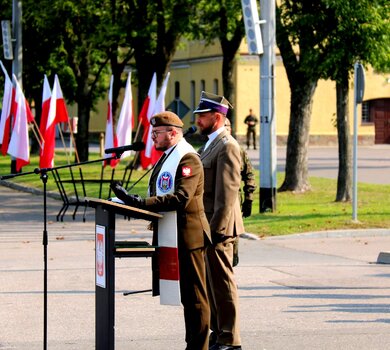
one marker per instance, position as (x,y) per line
(319,290)
(373,162)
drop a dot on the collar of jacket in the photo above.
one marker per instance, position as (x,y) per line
(218,139)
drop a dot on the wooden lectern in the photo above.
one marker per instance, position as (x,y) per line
(107,249)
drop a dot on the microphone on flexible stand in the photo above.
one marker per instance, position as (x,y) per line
(190,131)
(136,146)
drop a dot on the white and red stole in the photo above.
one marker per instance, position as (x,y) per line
(167,228)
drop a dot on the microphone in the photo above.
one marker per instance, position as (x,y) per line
(136,146)
(190,131)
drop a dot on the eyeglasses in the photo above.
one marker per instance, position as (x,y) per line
(156,132)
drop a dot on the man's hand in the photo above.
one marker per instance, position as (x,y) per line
(129,199)
(246,208)
(119,191)
(134,200)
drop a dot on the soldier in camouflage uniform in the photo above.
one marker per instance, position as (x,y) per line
(246,193)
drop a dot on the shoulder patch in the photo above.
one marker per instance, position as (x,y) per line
(225,140)
(186,171)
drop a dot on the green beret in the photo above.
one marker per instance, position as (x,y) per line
(166,118)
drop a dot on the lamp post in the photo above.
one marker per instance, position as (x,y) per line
(18,52)
(268,163)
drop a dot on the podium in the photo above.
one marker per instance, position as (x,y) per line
(106,250)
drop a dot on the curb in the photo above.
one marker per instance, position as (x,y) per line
(31,190)
(337,233)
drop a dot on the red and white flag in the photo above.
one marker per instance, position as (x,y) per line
(61,111)
(124,127)
(151,154)
(57,114)
(5,119)
(158,108)
(110,137)
(144,118)
(19,145)
(160,103)
(46,95)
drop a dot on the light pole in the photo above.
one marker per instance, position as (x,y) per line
(262,43)
(268,164)
(18,52)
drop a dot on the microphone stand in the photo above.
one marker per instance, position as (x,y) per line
(131,187)
(44,177)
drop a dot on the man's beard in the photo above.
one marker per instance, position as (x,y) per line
(161,148)
(206,131)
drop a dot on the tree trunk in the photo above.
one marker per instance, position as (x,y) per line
(37,97)
(82,137)
(343,133)
(230,46)
(296,174)
(302,86)
(227,82)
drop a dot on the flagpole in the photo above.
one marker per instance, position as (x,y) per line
(147,113)
(73,142)
(40,138)
(132,164)
(63,143)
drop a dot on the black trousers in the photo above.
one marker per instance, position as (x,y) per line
(251,132)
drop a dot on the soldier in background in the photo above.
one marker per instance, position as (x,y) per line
(246,193)
(251,122)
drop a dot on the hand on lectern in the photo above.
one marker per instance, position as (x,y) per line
(133,200)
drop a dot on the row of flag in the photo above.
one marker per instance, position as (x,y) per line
(152,105)
(16,115)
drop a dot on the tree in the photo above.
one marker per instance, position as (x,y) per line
(322,40)
(85,48)
(93,33)
(68,38)
(229,29)
(298,35)
(157,27)
(118,27)
(357,31)
(39,44)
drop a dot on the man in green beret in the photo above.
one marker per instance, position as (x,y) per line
(176,190)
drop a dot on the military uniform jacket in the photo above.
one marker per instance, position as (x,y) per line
(247,176)
(187,201)
(222,166)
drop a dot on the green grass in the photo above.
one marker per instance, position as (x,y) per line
(90,171)
(315,210)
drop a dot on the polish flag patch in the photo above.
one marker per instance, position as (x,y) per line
(186,171)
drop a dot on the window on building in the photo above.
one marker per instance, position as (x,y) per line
(202,85)
(366,117)
(215,88)
(177,89)
(193,99)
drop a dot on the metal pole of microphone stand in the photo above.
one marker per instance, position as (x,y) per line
(44,178)
(131,187)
